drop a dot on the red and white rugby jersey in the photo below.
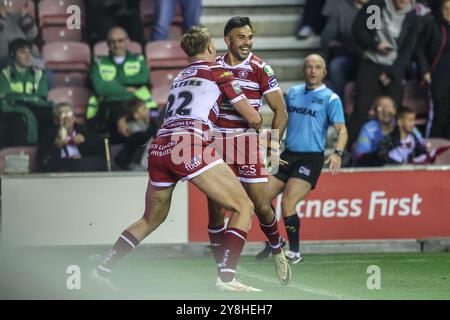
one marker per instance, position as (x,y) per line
(256,79)
(195,95)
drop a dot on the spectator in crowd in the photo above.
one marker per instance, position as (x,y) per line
(433,56)
(387,47)
(70,147)
(138,130)
(24,109)
(165,11)
(313,21)
(373,132)
(103,15)
(117,78)
(13,27)
(339,47)
(402,145)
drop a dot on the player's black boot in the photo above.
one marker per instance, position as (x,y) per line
(267,250)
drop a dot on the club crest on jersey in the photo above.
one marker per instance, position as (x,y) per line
(268,70)
(243,74)
(236,87)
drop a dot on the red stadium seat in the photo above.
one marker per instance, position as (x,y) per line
(160,95)
(67,56)
(147,11)
(435,143)
(70,79)
(30,150)
(17,5)
(101,48)
(76,96)
(161,81)
(163,78)
(54,12)
(60,33)
(165,54)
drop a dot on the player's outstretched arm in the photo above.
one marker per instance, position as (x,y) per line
(249,113)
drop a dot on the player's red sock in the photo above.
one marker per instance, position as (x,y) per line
(233,245)
(272,234)
(123,245)
(217,239)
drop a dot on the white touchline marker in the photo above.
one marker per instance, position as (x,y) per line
(299,287)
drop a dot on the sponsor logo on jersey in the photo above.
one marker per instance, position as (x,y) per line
(304,171)
(273,82)
(247,170)
(268,70)
(243,74)
(304,111)
(236,87)
(227,74)
(195,162)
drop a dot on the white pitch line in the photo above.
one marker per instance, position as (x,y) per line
(352,261)
(299,287)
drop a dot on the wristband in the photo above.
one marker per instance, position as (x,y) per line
(340,153)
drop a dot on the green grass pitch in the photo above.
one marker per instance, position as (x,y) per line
(142,276)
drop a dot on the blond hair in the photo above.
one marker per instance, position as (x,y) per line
(195,40)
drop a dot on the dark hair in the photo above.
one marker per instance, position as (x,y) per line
(237,22)
(131,106)
(404,110)
(16,45)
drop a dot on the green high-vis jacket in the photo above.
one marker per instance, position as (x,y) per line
(110,80)
(17,89)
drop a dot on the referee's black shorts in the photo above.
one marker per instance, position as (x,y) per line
(306,166)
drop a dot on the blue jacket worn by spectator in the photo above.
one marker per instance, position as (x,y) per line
(368,144)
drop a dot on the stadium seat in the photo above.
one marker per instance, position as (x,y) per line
(17,5)
(54,12)
(147,12)
(160,95)
(30,150)
(76,96)
(70,79)
(161,81)
(435,143)
(67,56)
(60,33)
(101,48)
(163,78)
(165,54)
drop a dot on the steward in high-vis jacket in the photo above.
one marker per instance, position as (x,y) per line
(24,109)
(119,77)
